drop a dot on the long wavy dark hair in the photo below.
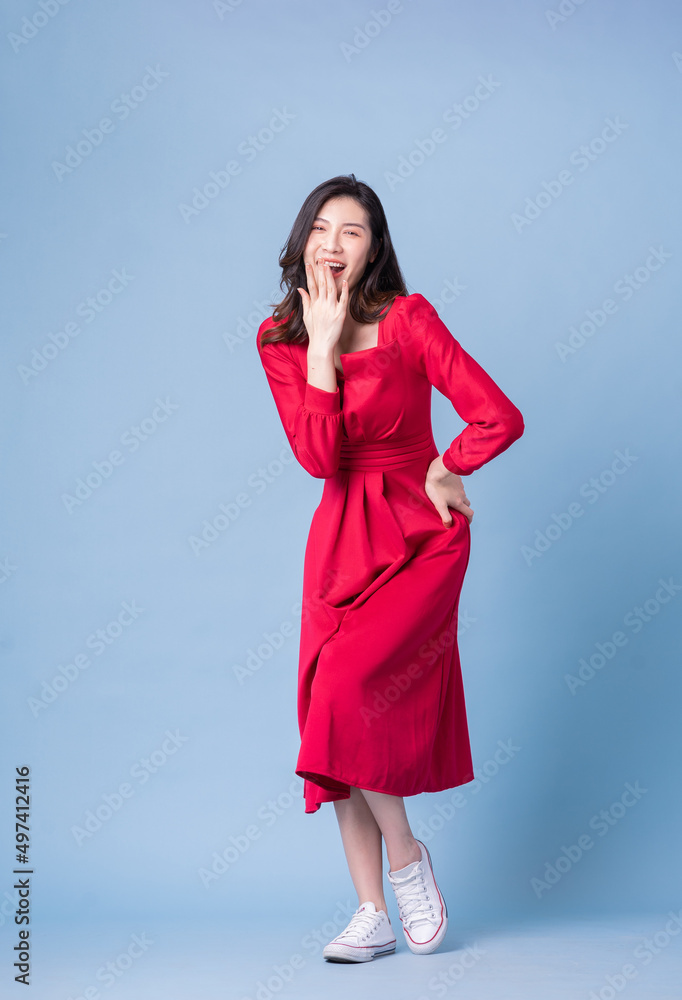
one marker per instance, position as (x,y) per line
(381,282)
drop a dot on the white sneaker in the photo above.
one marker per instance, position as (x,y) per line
(369,933)
(423,912)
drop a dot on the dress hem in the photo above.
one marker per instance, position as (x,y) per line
(340,785)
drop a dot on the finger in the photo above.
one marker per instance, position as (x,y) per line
(329,285)
(312,282)
(322,283)
(445,515)
(308,279)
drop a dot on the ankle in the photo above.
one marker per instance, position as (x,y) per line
(403,855)
(379,902)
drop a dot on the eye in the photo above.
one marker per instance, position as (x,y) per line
(351,233)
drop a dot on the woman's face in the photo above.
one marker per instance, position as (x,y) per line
(340,233)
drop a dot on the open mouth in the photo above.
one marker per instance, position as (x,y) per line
(335,266)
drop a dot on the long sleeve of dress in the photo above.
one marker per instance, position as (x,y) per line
(493,422)
(311,417)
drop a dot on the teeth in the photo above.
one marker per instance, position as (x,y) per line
(332,264)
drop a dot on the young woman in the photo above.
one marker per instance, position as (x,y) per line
(350,358)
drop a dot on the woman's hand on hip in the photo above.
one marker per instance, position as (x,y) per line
(445,489)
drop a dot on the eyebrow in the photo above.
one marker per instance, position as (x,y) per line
(358,225)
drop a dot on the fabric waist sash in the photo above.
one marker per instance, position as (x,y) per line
(366,456)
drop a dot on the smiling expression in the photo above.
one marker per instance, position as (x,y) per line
(341,233)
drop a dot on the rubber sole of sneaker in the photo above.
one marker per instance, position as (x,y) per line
(350,955)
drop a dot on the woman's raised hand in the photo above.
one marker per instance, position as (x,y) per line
(324,311)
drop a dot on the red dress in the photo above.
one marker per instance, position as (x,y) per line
(380,696)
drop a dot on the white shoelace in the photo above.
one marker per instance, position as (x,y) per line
(361,922)
(411,895)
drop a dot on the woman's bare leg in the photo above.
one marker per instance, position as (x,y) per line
(361,839)
(391,818)
(364,819)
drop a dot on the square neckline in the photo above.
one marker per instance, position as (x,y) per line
(366,350)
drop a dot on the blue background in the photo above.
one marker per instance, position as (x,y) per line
(350,89)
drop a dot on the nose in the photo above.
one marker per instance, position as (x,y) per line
(331,244)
